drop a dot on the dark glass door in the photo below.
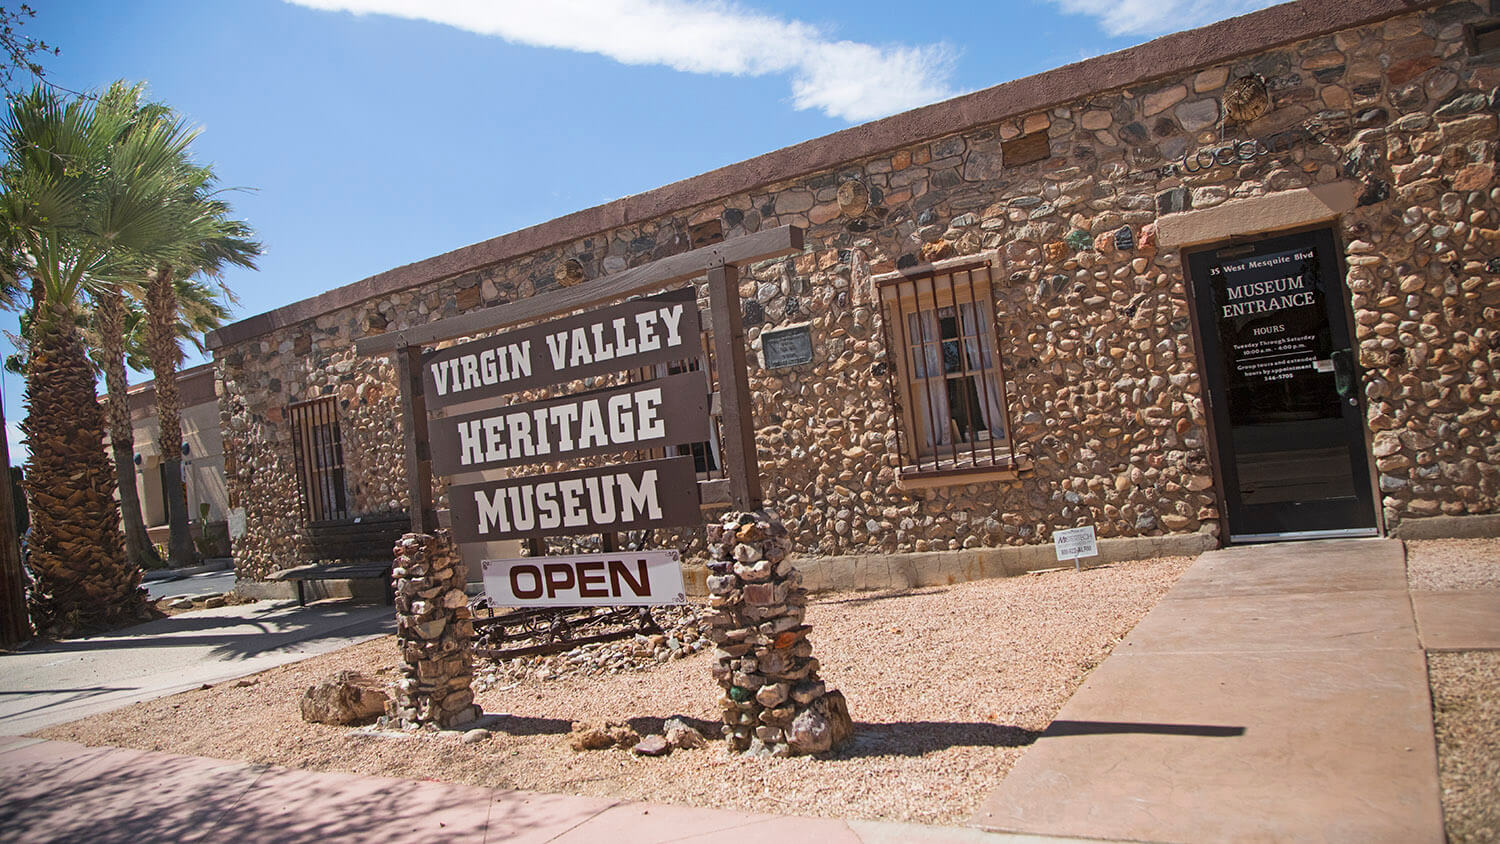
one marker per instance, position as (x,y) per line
(1283,389)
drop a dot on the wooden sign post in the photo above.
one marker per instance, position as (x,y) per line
(599,337)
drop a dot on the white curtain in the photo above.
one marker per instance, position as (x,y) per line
(930,373)
(922,327)
(980,347)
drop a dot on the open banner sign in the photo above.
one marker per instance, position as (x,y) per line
(633,578)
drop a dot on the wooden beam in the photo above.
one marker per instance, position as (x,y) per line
(418,451)
(740,459)
(761,246)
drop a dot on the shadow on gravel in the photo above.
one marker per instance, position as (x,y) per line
(915,738)
(655,726)
(525,725)
(879,596)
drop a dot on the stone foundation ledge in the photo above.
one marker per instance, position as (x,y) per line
(1449,527)
(862,572)
(363,589)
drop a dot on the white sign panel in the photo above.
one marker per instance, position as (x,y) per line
(622,578)
(1075,542)
(237,523)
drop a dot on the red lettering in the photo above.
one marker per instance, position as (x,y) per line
(618,571)
(559,577)
(536,581)
(590,574)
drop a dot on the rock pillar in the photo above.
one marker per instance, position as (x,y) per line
(774,703)
(435,633)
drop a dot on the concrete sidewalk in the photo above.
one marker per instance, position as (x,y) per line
(1277,693)
(55,682)
(57,791)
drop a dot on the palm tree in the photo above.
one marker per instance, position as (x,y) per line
(89,194)
(118,337)
(206,242)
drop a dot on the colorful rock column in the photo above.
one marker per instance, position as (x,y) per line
(774,703)
(435,633)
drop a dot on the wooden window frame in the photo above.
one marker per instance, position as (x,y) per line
(927,288)
(317,442)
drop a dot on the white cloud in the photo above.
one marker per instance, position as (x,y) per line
(843,79)
(1154,17)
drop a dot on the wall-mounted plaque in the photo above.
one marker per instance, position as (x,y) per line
(1025,149)
(755,315)
(790,346)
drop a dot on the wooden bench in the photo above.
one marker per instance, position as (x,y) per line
(358,548)
(336,571)
(360,539)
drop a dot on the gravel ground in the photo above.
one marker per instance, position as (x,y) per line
(1465,705)
(1436,565)
(1466,712)
(946,685)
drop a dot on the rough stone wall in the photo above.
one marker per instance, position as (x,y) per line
(1104,394)
(435,632)
(774,702)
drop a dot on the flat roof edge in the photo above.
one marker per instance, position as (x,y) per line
(1165,56)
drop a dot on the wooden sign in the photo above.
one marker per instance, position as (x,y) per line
(637,333)
(667,411)
(625,578)
(634,496)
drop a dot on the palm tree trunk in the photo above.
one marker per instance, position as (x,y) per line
(82,580)
(166,357)
(15,623)
(109,317)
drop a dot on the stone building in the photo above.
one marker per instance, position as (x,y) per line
(202,458)
(1235,284)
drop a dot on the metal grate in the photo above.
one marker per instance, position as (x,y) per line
(320,459)
(707,456)
(947,382)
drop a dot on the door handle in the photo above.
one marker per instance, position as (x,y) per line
(1343,373)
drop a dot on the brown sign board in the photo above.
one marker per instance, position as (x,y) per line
(634,496)
(666,411)
(640,332)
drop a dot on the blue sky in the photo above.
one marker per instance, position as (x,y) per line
(375,133)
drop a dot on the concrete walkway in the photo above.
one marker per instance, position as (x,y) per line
(55,682)
(1277,693)
(57,791)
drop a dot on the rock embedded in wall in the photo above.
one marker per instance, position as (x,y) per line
(774,702)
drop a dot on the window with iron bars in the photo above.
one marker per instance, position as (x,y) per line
(319,449)
(946,379)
